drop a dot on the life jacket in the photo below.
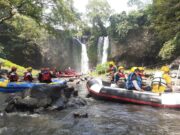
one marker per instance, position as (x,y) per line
(13,77)
(46,76)
(129,83)
(158,79)
(121,75)
(28,76)
(112,69)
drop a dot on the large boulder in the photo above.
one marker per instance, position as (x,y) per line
(51,97)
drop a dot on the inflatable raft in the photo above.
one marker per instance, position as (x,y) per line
(165,100)
(12,87)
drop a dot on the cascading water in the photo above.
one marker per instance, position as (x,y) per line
(105,49)
(100,49)
(84,59)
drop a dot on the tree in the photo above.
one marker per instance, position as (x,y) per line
(98,12)
(31,8)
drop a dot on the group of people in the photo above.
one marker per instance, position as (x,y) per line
(45,75)
(161,81)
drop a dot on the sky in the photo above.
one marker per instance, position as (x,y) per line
(117,5)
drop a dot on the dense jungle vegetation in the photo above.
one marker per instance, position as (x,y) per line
(27,25)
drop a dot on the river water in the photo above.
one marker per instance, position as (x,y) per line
(104,118)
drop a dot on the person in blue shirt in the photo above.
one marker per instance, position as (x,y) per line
(134,81)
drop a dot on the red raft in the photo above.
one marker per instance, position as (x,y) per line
(165,100)
(68,73)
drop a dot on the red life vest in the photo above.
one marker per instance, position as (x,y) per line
(46,76)
(13,77)
(28,76)
(121,75)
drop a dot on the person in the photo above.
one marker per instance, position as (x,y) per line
(112,70)
(54,72)
(45,76)
(12,75)
(162,81)
(28,75)
(134,81)
(120,75)
(141,69)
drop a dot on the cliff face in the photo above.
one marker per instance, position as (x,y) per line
(135,50)
(61,53)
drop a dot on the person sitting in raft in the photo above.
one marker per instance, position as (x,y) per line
(12,75)
(54,72)
(112,70)
(134,81)
(162,81)
(28,75)
(120,75)
(141,69)
(45,76)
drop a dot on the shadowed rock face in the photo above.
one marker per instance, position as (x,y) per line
(44,97)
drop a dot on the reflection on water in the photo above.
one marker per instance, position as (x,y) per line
(105,118)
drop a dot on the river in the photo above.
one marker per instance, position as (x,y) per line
(104,118)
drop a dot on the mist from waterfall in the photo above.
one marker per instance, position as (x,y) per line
(103,45)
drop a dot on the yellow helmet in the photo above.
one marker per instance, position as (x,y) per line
(133,68)
(141,68)
(111,63)
(121,67)
(29,68)
(165,68)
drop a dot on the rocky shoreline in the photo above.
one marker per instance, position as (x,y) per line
(47,98)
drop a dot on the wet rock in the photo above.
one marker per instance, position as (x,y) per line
(80,115)
(76,102)
(68,91)
(44,97)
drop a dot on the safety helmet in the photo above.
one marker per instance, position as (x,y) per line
(165,68)
(141,68)
(111,63)
(121,67)
(133,69)
(29,68)
(14,68)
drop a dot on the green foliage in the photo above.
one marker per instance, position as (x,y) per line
(167,50)
(165,18)
(63,14)
(30,8)
(9,64)
(170,48)
(102,68)
(122,24)
(98,10)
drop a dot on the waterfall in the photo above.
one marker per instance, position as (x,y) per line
(84,59)
(100,49)
(105,49)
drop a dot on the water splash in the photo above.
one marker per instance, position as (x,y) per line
(105,50)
